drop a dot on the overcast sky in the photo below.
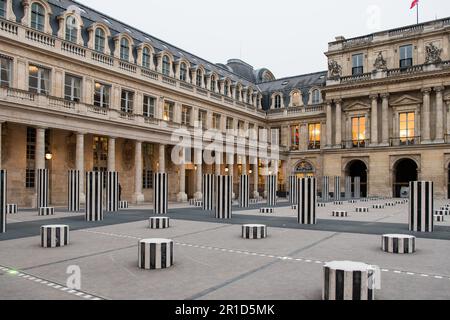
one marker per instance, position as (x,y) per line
(286,36)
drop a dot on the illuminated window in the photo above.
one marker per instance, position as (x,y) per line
(183,71)
(359,131)
(124,49)
(407,127)
(295,137)
(127,101)
(146,56)
(168,111)
(186,115)
(39,79)
(216,121)
(71,29)
(99,40)
(296,99)
(166,66)
(149,107)
(101,95)
(37,17)
(314,131)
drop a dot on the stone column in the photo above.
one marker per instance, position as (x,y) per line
(217,166)
(255,179)
(244,165)
(111,154)
(79,163)
(338,123)
(182,196)
(230,165)
(439,115)
(199,174)
(1,123)
(162,158)
(374,120)
(138,197)
(40,148)
(329,126)
(385,119)
(425,128)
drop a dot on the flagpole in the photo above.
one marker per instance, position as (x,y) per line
(418,12)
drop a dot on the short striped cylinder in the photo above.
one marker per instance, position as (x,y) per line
(159,222)
(94,196)
(421,206)
(398,243)
(73,191)
(271,189)
(208,192)
(112,191)
(442,212)
(390,204)
(293,189)
(348,188)
(445,208)
(42,188)
(339,214)
(400,202)
(337,188)
(253,201)
(224,193)
(12,209)
(266,210)
(294,207)
(198,204)
(192,202)
(357,186)
(123,204)
(365,200)
(347,280)
(3,200)
(160,193)
(244,190)
(326,189)
(155,254)
(352,201)
(338,203)
(54,236)
(307,193)
(378,206)
(439,218)
(46,211)
(321,205)
(362,210)
(254,231)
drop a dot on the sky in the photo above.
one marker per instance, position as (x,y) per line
(289,37)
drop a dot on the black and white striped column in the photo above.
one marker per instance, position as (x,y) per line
(254,231)
(326,189)
(244,190)
(155,254)
(357,182)
(94,196)
(224,192)
(73,190)
(112,191)
(337,188)
(398,243)
(293,189)
(12,209)
(208,192)
(307,191)
(54,236)
(348,188)
(421,208)
(347,280)
(160,193)
(159,222)
(42,188)
(3,200)
(271,190)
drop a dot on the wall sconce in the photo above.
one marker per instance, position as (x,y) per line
(250,171)
(48,156)
(227,169)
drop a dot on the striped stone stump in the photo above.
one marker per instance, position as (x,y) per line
(364,200)
(12,209)
(160,193)
(347,280)
(94,196)
(357,182)
(352,201)
(307,193)
(441,212)
(224,194)
(339,214)
(42,188)
(154,254)
(398,243)
(46,211)
(271,189)
(3,200)
(253,201)
(266,210)
(400,202)
(421,210)
(362,210)
(321,205)
(325,189)
(112,191)
(244,191)
(73,191)
(254,231)
(378,206)
(390,204)
(192,202)
(348,188)
(54,236)
(123,205)
(159,223)
(439,218)
(293,189)
(337,188)
(198,204)
(294,207)
(338,203)
(208,192)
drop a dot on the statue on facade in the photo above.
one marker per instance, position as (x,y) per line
(433,54)
(334,68)
(380,62)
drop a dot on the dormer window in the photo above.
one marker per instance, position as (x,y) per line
(3,8)
(71,29)
(198,79)
(183,71)
(296,99)
(225,89)
(146,56)
(213,84)
(99,40)
(358,64)
(165,66)
(315,96)
(406,56)
(277,102)
(37,17)
(124,49)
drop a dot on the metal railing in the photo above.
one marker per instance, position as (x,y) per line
(355,144)
(404,141)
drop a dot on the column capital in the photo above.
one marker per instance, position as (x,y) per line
(79,133)
(385,95)
(328,102)
(439,88)
(373,97)
(338,101)
(426,91)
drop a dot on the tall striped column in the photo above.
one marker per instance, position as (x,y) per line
(421,206)
(42,188)
(271,189)
(112,191)
(357,182)
(73,190)
(160,193)
(3,200)
(326,189)
(224,193)
(208,192)
(94,196)
(293,189)
(307,190)
(243,191)
(337,188)
(348,188)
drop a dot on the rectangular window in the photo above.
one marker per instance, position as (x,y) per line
(275,136)
(230,123)
(168,111)
(5,71)
(314,132)
(406,56)
(359,132)
(407,128)
(72,88)
(30,158)
(3,8)
(127,101)
(39,80)
(37,17)
(100,154)
(101,95)
(358,64)
(147,179)
(202,115)
(295,137)
(216,121)
(186,116)
(149,107)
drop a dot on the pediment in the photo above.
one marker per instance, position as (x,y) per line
(406,100)
(356,106)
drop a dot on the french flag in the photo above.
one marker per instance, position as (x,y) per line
(414,3)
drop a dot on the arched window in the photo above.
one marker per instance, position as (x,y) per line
(277,101)
(71,29)
(183,71)
(124,49)
(2,8)
(212,86)
(37,17)
(315,96)
(225,88)
(166,65)
(99,40)
(296,99)
(146,56)
(198,79)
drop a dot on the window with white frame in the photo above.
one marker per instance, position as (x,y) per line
(226,88)
(127,101)
(277,104)
(186,115)
(71,29)
(146,56)
(316,96)
(212,86)
(406,56)
(125,49)
(37,17)
(357,64)
(183,71)
(296,99)
(72,88)
(202,115)
(100,40)
(102,95)
(149,107)
(230,123)
(3,8)
(198,78)
(39,79)
(5,71)
(166,66)
(216,121)
(168,111)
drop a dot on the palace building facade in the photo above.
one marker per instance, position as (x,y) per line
(81,90)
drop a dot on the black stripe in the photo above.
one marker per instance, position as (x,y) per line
(326,285)
(357,283)
(163,255)
(339,285)
(152,256)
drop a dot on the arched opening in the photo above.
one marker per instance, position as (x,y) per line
(358,168)
(304,169)
(405,171)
